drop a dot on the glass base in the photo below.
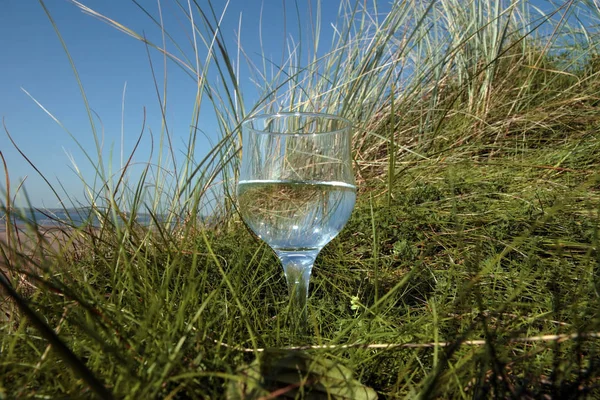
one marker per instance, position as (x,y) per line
(297,266)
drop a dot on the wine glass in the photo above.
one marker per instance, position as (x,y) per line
(296,191)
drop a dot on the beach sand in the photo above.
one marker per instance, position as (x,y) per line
(27,247)
(23,253)
(49,238)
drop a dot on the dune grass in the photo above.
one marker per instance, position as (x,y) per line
(469,269)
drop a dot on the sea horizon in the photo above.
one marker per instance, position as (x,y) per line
(59,217)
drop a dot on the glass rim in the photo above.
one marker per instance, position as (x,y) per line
(246,124)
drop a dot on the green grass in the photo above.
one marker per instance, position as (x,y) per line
(469,269)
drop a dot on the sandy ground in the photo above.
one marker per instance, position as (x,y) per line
(27,250)
(23,249)
(30,246)
(50,238)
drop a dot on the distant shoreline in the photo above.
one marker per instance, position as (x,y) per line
(68,219)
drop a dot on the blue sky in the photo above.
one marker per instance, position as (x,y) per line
(107,60)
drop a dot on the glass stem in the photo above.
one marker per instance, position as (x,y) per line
(297,266)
